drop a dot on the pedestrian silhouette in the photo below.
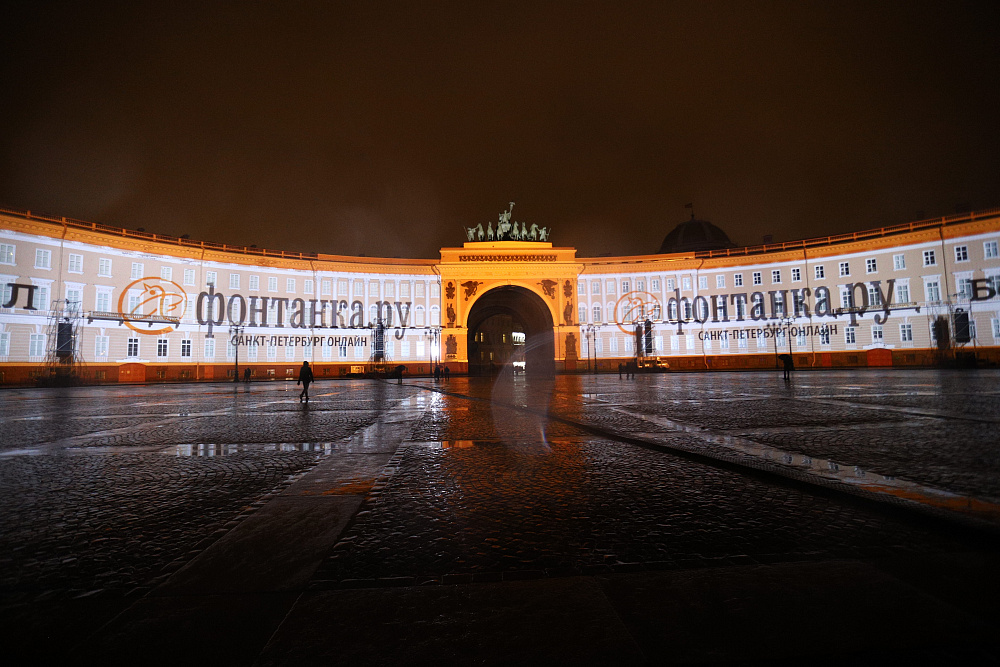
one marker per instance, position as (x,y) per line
(305,377)
(447,373)
(246,375)
(789,365)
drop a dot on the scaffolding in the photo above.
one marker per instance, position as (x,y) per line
(64,363)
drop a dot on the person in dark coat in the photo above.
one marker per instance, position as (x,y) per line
(305,377)
(447,373)
(246,375)
(789,365)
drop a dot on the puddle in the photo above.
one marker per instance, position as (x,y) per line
(212,449)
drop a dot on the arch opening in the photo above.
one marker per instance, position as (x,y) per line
(510,328)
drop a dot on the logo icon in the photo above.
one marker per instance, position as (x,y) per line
(635,307)
(161,302)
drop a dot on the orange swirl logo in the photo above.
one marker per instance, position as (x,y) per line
(635,307)
(160,300)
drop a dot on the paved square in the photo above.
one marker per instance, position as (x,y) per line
(118,502)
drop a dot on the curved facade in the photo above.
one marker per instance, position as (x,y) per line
(114,305)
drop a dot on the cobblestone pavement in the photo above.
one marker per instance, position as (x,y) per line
(933,428)
(107,490)
(486,491)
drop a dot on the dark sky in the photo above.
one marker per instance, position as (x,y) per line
(382,128)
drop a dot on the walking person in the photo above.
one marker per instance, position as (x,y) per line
(447,373)
(305,377)
(246,375)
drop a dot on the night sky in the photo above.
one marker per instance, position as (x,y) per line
(381,128)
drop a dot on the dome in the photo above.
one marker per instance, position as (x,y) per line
(693,235)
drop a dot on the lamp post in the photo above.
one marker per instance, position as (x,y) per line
(591,333)
(432,335)
(783,325)
(235,331)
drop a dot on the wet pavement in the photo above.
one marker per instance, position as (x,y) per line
(676,518)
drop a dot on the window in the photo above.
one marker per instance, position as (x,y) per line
(132,350)
(796,275)
(671,284)
(906,333)
(871,266)
(4,343)
(209,348)
(964,288)
(776,276)
(101,346)
(625,287)
(582,314)
(373,288)
(989,250)
(272,352)
(961,253)
(419,288)
(597,313)
(702,282)
(824,336)
(161,348)
(36,345)
(738,280)
(7,253)
(902,293)
(186,347)
(234,281)
(720,281)
(996,327)
(137,270)
(41,298)
(932,290)
(686,283)
(103,303)
(874,296)
(581,288)
(289,353)
(435,316)
(43,259)
(167,273)
(846,298)
(654,284)
(327,287)
(845,269)
(307,286)
(595,286)
(211,278)
(254,283)
(189,276)
(898,262)
(272,284)
(290,284)
(877,334)
(819,272)
(104,267)
(75,263)
(74,299)
(929,258)
(800,338)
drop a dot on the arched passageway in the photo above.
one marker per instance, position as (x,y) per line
(510,327)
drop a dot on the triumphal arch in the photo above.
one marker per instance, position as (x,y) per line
(510,302)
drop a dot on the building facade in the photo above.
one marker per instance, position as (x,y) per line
(116,305)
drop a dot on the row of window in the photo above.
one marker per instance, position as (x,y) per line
(990,251)
(932,292)
(43,260)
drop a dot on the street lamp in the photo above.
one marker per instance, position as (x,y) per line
(235,331)
(433,335)
(783,325)
(591,333)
